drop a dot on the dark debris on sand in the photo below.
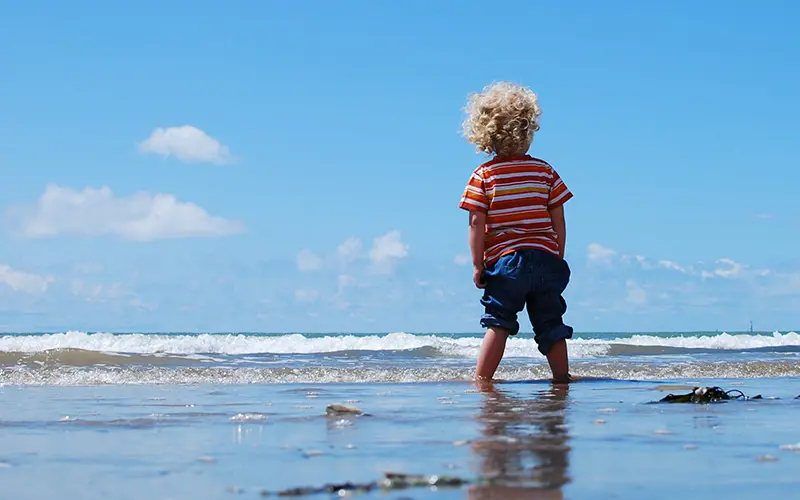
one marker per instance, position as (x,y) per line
(391,481)
(707,395)
(339,410)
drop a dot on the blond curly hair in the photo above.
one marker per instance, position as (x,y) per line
(502,119)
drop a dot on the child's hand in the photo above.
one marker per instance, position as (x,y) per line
(478,278)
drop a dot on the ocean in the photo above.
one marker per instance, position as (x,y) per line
(248,415)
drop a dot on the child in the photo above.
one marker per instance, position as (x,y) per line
(517,230)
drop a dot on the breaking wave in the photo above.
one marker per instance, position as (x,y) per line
(186,345)
(80,358)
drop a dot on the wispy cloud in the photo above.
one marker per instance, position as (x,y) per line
(306,296)
(349,251)
(21,281)
(308,261)
(731,269)
(462,260)
(635,294)
(722,268)
(386,251)
(600,254)
(668,264)
(96,292)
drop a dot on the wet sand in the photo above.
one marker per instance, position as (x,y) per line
(592,439)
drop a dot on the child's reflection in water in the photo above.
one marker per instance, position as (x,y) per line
(523,448)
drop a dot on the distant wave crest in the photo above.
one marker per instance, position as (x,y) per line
(425,345)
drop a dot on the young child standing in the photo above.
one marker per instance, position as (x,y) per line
(517,230)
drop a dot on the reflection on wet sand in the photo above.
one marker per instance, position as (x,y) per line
(523,450)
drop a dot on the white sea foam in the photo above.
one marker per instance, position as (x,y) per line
(236,344)
(689,372)
(720,341)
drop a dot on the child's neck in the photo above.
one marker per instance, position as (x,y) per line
(511,155)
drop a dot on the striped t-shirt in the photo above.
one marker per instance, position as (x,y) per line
(516,193)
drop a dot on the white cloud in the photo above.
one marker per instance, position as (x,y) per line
(349,250)
(733,269)
(137,303)
(345,281)
(724,268)
(668,264)
(462,260)
(599,253)
(20,281)
(98,212)
(636,294)
(306,295)
(338,300)
(97,292)
(780,284)
(188,144)
(386,251)
(308,261)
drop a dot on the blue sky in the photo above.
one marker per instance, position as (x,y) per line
(297,166)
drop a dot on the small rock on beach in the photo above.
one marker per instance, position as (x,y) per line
(340,409)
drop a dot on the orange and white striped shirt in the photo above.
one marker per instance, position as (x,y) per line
(515,193)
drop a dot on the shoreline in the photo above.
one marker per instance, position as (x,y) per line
(685,372)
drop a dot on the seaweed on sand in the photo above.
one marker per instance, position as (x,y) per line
(391,481)
(707,395)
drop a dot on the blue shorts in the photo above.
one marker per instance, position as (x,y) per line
(532,279)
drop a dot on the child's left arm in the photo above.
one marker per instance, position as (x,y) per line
(559,194)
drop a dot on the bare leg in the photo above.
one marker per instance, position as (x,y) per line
(494,345)
(559,361)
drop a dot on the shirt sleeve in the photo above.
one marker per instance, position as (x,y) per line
(559,193)
(474,197)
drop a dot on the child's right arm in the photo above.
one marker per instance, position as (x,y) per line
(477,244)
(560,227)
